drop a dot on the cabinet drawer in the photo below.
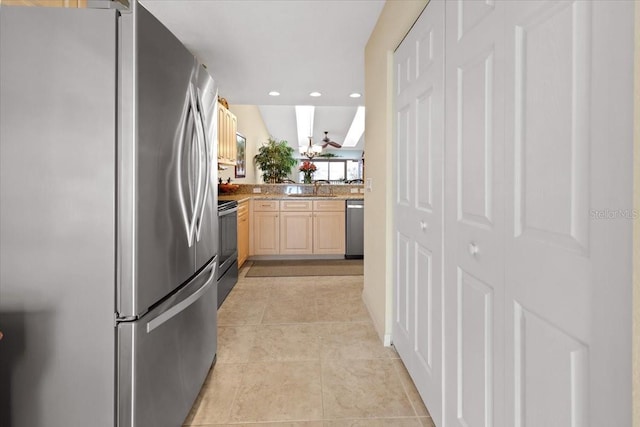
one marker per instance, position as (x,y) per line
(243,209)
(328,205)
(265,205)
(295,205)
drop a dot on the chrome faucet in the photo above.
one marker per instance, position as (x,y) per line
(316,187)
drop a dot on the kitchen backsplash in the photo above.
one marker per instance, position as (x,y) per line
(337,189)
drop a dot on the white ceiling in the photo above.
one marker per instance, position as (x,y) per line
(295,47)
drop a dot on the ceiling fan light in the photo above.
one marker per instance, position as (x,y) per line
(315,94)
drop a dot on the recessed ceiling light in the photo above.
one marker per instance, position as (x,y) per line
(355,95)
(274,93)
(315,94)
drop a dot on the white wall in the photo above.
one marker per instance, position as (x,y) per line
(636,230)
(251,125)
(394,22)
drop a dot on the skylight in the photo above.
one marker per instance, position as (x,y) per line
(304,122)
(356,130)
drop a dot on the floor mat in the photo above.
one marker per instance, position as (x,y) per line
(306,267)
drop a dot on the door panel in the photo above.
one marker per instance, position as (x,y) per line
(568,279)
(328,232)
(552,122)
(550,373)
(475,136)
(424,333)
(424,152)
(475,351)
(296,233)
(474,218)
(419,146)
(266,233)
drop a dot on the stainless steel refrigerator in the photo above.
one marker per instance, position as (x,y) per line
(108,219)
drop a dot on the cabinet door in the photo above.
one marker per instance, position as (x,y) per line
(227,125)
(266,233)
(296,233)
(233,144)
(328,205)
(222,131)
(328,233)
(243,233)
(47,3)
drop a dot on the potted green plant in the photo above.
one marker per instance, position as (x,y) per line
(275,160)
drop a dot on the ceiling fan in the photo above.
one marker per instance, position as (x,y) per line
(326,141)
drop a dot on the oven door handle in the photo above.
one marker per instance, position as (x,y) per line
(227,211)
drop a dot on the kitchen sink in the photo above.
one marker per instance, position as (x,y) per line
(311,195)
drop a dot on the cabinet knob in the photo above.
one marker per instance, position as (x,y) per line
(473,249)
(423,225)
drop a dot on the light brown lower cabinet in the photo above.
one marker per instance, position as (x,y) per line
(266,227)
(243,232)
(299,227)
(296,233)
(328,232)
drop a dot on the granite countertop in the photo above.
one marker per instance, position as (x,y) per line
(263,196)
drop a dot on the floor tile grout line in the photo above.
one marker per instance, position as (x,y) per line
(404,387)
(235,395)
(321,325)
(321,386)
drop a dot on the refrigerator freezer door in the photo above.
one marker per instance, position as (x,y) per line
(160,172)
(164,357)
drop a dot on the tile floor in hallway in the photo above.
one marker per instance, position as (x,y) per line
(302,352)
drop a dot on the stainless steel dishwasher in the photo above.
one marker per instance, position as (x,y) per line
(354,229)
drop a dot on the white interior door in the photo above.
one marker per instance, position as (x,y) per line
(474,214)
(419,145)
(537,213)
(568,272)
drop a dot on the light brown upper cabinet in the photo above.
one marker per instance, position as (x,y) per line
(46,3)
(227,128)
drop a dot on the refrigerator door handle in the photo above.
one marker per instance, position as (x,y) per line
(207,162)
(199,196)
(175,309)
(183,204)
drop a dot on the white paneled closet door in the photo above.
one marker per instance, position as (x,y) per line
(568,272)
(474,214)
(419,145)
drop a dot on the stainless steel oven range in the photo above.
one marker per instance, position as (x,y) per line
(228,244)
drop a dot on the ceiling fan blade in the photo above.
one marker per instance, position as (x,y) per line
(327,141)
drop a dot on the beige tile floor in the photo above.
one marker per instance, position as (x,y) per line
(302,352)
